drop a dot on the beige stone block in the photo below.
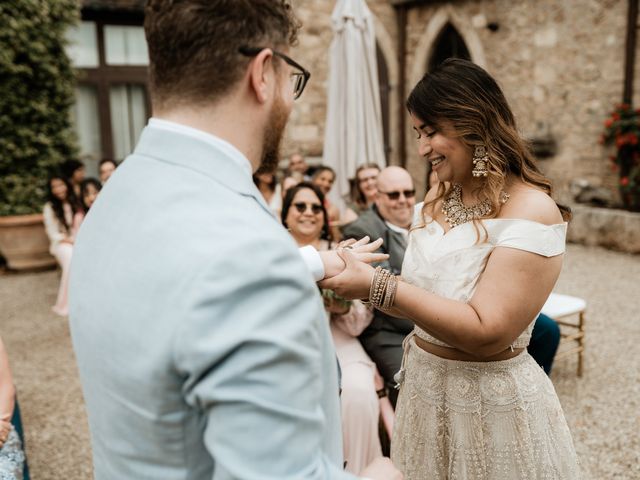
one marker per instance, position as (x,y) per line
(616,229)
(543,74)
(304,133)
(546,38)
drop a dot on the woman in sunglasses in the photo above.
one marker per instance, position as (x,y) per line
(305,216)
(484,252)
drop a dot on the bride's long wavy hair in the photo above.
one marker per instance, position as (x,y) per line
(462,95)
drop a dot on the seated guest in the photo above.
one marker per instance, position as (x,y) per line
(106,169)
(74,171)
(298,167)
(544,342)
(11,453)
(59,219)
(323,177)
(303,213)
(388,218)
(269,187)
(89,190)
(363,191)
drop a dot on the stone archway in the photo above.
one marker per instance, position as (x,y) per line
(444,16)
(388,50)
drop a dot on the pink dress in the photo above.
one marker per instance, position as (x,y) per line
(359,400)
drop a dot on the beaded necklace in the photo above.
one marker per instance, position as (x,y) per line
(456,213)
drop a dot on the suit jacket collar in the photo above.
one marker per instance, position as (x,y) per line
(389,231)
(201,156)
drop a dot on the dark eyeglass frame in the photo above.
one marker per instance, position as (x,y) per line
(302,207)
(302,77)
(395,195)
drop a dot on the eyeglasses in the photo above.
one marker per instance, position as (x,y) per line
(301,207)
(299,79)
(395,195)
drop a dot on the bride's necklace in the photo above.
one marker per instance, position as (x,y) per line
(456,213)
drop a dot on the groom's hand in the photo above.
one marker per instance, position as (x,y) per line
(381,469)
(362,250)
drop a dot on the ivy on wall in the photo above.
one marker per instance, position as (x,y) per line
(36,92)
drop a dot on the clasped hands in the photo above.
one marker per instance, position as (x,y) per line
(347,269)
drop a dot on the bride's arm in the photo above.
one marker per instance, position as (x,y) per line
(510,293)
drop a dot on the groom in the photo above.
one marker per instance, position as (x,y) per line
(202,344)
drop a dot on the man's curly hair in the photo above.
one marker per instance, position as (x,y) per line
(193,44)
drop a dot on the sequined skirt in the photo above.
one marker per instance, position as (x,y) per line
(480,421)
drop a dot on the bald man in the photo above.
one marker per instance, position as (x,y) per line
(388,218)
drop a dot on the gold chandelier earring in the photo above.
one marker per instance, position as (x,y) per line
(480,161)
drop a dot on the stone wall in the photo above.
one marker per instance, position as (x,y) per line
(305,132)
(560,64)
(614,229)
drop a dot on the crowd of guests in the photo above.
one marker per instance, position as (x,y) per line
(69,198)
(368,342)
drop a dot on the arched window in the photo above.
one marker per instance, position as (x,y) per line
(448,44)
(385,88)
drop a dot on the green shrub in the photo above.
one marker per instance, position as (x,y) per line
(36,91)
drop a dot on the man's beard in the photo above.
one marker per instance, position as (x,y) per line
(272,137)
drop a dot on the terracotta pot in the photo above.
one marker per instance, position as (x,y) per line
(24,243)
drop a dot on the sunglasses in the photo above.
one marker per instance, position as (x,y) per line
(299,78)
(395,195)
(301,207)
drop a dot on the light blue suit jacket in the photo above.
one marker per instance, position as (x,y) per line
(202,343)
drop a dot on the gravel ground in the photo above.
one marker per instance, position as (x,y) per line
(602,408)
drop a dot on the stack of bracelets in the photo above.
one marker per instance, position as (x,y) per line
(383,289)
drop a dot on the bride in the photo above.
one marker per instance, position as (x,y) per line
(485,250)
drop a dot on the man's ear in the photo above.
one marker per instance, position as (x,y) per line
(262,75)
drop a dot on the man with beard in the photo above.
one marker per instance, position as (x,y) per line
(202,344)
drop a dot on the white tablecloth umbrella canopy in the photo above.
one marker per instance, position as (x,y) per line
(353,134)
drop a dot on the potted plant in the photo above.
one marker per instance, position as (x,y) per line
(622,128)
(36,92)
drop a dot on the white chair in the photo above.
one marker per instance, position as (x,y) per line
(560,308)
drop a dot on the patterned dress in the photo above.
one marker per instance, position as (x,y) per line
(459,420)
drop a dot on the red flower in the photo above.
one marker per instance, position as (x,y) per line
(623,107)
(615,116)
(608,122)
(624,181)
(632,139)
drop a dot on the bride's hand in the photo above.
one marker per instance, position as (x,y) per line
(354,281)
(362,250)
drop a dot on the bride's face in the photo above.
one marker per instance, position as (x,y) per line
(305,217)
(450,158)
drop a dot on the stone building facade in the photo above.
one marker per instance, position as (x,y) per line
(560,63)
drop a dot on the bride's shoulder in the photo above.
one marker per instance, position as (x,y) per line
(530,203)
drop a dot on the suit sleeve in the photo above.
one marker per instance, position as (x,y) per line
(251,357)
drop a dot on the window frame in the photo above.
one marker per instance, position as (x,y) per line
(104,76)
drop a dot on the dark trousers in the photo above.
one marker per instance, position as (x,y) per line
(385,349)
(16,421)
(544,341)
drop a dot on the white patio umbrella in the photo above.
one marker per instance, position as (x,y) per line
(353,134)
